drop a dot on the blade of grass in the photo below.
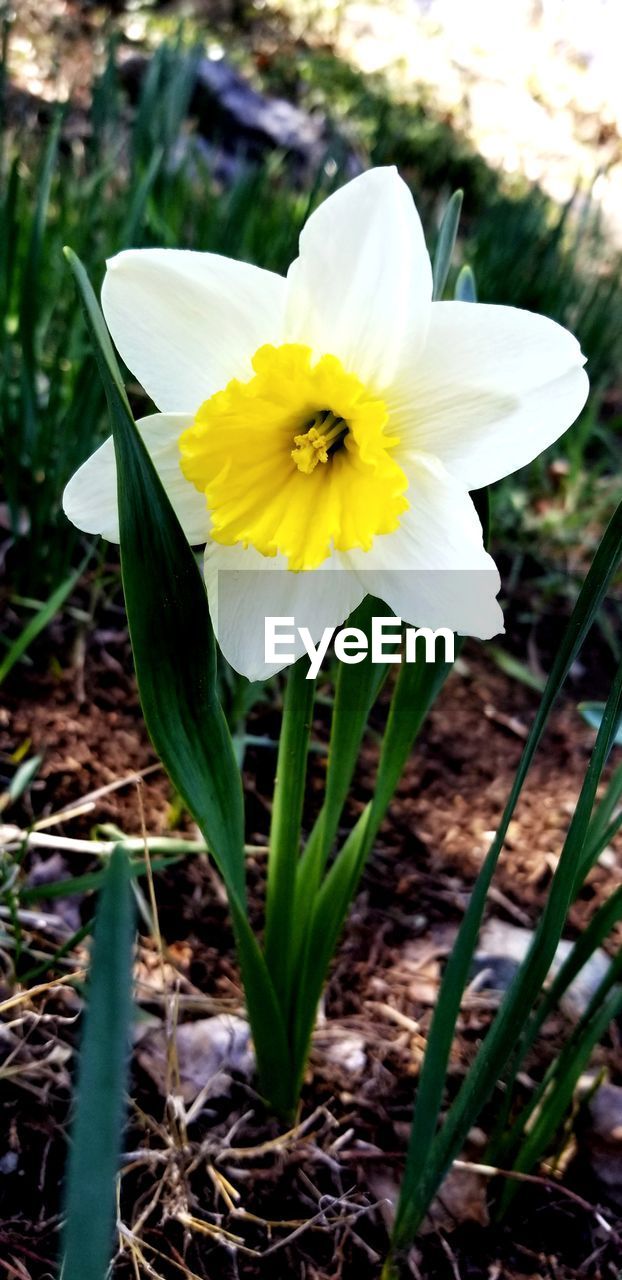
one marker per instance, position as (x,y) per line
(465,290)
(541,1119)
(599,834)
(592,713)
(428,1158)
(603,816)
(448,231)
(20,781)
(98,1123)
(42,618)
(590,939)
(91,880)
(601,924)
(30,290)
(33,975)
(433,1075)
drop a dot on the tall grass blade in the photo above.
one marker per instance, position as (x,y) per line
(592,713)
(98,1124)
(41,619)
(542,1118)
(30,291)
(420,1183)
(601,924)
(448,231)
(465,289)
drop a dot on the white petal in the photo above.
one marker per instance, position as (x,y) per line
(186,323)
(494,387)
(433,571)
(90,498)
(244,588)
(362,285)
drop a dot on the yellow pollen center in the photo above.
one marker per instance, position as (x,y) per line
(324,434)
(296,460)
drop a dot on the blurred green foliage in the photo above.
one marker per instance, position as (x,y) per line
(137,180)
(139,175)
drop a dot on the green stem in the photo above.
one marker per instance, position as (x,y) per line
(285,827)
(356,691)
(416,688)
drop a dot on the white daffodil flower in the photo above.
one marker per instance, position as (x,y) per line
(329,425)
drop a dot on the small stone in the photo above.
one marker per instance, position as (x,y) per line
(348,1054)
(599,1136)
(208,1053)
(502,949)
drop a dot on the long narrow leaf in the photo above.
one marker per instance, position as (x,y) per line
(174,656)
(541,1120)
(170,628)
(356,690)
(98,1124)
(42,617)
(287,806)
(465,290)
(445,244)
(601,924)
(427,1163)
(416,688)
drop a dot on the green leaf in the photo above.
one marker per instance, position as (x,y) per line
(22,779)
(287,806)
(448,231)
(170,628)
(100,1107)
(516,669)
(427,1165)
(551,1100)
(174,656)
(601,924)
(90,880)
(40,620)
(417,686)
(604,824)
(357,688)
(592,713)
(465,290)
(141,193)
(328,914)
(29,318)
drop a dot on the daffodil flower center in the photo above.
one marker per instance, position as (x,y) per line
(326,432)
(286,475)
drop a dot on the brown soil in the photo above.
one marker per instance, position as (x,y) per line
(326,1185)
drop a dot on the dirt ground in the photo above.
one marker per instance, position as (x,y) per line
(210,1186)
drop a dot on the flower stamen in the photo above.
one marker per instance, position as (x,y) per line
(325,433)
